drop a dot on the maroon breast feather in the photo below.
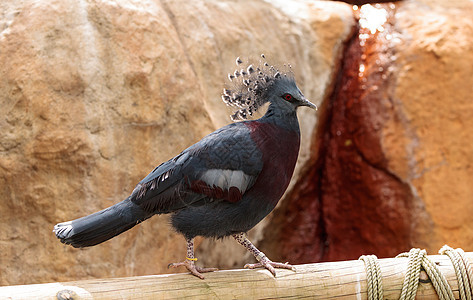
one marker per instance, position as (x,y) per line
(280,148)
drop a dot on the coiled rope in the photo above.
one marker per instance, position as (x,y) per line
(374,277)
(417,260)
(463,270)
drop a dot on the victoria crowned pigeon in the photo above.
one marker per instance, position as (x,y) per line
(224,184)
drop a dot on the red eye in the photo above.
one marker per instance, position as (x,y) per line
(287,97)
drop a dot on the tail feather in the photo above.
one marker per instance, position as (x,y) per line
(100,226)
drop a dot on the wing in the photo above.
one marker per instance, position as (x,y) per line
(221,167)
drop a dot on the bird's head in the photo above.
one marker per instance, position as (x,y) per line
(254,85)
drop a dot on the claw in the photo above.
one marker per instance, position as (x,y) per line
(189,263)
(263,260)
(191,267)
(269,265)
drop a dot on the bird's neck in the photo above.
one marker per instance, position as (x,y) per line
(282,117)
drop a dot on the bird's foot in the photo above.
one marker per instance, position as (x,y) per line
(191,267)
(269,265)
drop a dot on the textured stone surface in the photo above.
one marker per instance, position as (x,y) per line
(433,108)
(94,94)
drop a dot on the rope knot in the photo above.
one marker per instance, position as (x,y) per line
(419,261)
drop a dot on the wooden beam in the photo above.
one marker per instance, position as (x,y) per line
(334,280)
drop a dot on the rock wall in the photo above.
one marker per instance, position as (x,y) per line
(433,91)
(95,94)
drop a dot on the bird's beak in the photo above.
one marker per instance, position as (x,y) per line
(306,102)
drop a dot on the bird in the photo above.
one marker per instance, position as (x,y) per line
(222,185)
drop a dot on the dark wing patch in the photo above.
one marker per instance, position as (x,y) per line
(142,188)
(171,199)
(222,166)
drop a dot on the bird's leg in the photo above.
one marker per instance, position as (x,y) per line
(263,261)
(189,263)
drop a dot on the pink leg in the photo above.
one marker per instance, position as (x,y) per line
(260,256)
(189,263)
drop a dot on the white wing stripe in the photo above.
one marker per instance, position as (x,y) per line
(237,180)
(226,179)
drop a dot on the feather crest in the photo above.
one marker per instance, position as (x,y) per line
(248,88)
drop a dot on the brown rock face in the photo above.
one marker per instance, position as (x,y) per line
(433,93)
(95,94)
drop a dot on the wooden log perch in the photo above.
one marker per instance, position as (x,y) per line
(334,280)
